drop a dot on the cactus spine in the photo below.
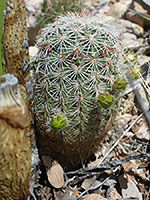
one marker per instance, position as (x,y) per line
(80,60)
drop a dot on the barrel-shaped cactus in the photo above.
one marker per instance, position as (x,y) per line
(79,63)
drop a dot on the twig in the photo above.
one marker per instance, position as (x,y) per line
(107,165)
(69,181)
(82,174)
(34,197)
(148,194)
(116,143)
(139,99)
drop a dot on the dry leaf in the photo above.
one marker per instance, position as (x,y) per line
(141,173)
(132,164)
(128,190)
(110,182)
(113,194)
(94,197)
(123,181)
(131,191)
(88,182)
(65,195)
(129,167)
(56,175)
(47,161)
(143,132)
(130,178)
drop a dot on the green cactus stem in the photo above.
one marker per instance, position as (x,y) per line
(15,41)
(79,59)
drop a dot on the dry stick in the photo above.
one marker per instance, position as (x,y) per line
(34,197)
(119,139)
(148,194)
(139,99)
(83,173)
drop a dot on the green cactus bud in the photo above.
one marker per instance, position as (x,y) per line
(134,72)
(105,100)
(131,57)
(58,122)
(119,84)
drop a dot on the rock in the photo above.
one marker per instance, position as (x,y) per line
(132,27)
(34,8)
(119,9)
(130,40)
(104,6)
(128,31)
(125,25)
(143,62)
(33,51)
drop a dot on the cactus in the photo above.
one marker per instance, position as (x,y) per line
(15,41)
(79,63)
(2,8)
(15,152)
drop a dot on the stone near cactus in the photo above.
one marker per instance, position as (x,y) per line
(15,155)
(79,63)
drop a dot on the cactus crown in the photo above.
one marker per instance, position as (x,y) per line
(80,57)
